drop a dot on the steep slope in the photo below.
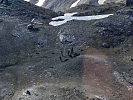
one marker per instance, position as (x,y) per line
(63,5)
(9,27)
(115,1)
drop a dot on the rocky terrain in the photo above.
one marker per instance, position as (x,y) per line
(115,1)
(62,5)
(32,66)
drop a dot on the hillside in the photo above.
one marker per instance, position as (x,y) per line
(40,65)
(63,5)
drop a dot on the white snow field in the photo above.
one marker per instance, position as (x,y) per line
(27,0)
(69,16)
(101,2)
(40,3)
(75,4)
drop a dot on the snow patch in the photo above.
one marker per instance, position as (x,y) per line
(40,3)
(27,0)
(69,16)
(101,2)
(75,4)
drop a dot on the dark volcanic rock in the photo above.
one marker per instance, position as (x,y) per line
(126,12)
(115,29)
(63,5)
(26,10)
(87,10)
(105,45)
(14,36)
(42,41)
(35,55)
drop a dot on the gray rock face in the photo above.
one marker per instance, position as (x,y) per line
(115,1)
(93,2)
(58,5)
(14,34)
(33,1)
(62,5)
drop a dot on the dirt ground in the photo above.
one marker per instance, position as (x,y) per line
(96,81)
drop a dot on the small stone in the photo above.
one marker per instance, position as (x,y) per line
(28,93)
(131,59)
(42,41)
(105,45)
(1,20)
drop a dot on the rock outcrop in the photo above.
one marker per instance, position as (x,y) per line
(63,5)
(115,1)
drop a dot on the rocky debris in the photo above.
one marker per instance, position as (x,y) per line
(6,90)
(87,10)
(24,48)
(59,5)
(114,29)
(128,12)
(115,1)
(131,18)
(60,13)
(127,77)
(93,2)
(54,92)
(124,78)
(18,8)
(59,19)
(42,41)
(33,1)
(17,42)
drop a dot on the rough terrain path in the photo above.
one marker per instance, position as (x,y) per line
(98,74)
(97,81)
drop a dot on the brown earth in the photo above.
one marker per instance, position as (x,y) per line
(98,73)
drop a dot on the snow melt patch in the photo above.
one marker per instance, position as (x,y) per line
(27,0)
(69,16)
(101,2)
(75,4)
(40,3)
